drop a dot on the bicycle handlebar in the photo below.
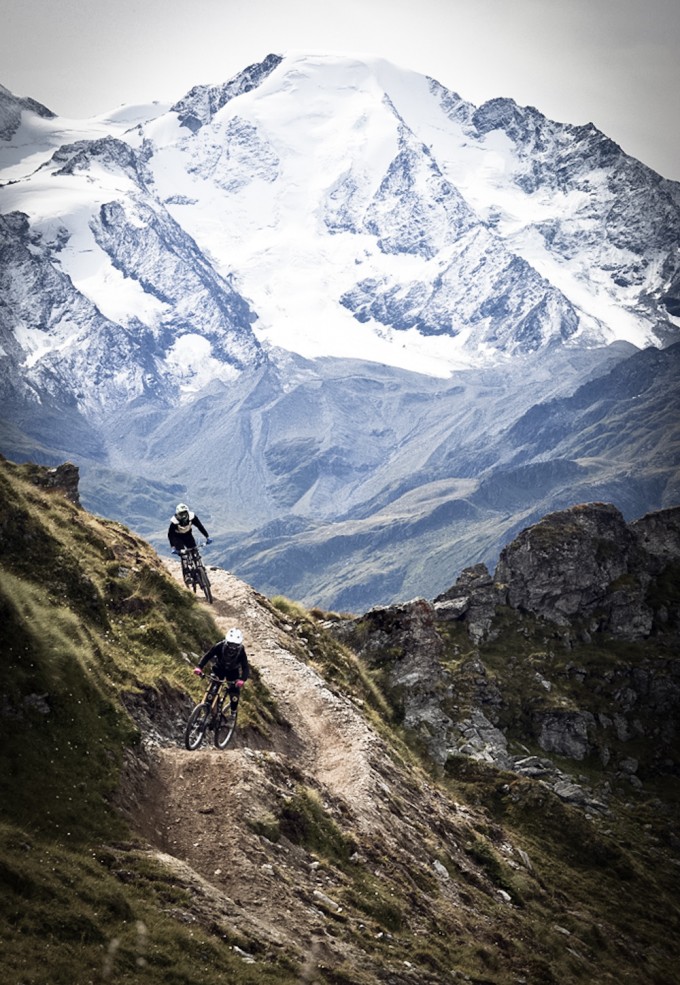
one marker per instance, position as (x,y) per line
(185,550)
(221,680)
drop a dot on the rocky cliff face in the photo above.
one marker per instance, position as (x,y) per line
(587,567)
(11,108)
(584,570)
(566,655)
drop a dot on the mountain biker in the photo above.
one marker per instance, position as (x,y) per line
(180,533)
(231,664)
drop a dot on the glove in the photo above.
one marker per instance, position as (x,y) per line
(174,551)
(208,540)
(198,671)
(239,684)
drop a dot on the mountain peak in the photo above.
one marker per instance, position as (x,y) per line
(202,102)
(11,108)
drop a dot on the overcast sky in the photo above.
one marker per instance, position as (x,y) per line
(615,63)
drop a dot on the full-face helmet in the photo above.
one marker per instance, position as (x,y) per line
(182,514)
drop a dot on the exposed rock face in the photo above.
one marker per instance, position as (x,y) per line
(474,597)
(583,568)
(659,534)
(566,733)
(579,577)
(64,477)
(403,642)
(11,108)
(587,564)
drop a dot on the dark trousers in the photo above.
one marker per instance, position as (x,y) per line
(234,695)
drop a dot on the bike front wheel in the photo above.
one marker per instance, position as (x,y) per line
(225,729)
(205,583)
(196,726)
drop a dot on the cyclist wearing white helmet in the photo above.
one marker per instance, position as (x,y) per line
(180,533)
(231,664)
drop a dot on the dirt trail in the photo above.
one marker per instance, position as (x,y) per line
(335,744)
(204,811)
(217,820)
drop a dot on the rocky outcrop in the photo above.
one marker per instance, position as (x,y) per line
(583,569)
(462,680)
(659,534)
(11,109)
(65,478)
(401,644)
(202,102)
(474,598)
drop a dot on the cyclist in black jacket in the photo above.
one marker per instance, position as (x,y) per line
(231,664)
(180,533)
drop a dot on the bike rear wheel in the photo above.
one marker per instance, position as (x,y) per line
(205,583)
(225,729)
(196,726)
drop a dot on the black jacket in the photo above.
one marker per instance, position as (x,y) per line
(231,661)
(183,536)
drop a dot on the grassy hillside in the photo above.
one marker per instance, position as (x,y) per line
(489,877)
(88,616)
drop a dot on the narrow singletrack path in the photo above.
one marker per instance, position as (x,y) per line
(335,744)
(207,815)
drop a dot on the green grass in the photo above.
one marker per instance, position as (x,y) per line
(61,736)
(304,821)
(88,615)
(106,915)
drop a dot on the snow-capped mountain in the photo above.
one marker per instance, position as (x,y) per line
(310,292)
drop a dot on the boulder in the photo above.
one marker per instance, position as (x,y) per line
(587,565)
(65,478)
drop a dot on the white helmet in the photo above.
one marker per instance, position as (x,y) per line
(234,636)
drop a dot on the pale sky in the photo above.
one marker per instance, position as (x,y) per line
(615,63)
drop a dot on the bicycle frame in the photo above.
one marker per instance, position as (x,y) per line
(193,571)
(213,694)
(209,714)
(190,558)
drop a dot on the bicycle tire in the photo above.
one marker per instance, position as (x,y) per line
(225,729)
(205,583)
(197,725)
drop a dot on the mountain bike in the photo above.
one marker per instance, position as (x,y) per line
(209,715)
(193,571)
